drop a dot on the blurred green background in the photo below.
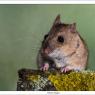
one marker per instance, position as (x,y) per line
(22,28)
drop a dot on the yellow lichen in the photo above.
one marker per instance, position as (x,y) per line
(33,77)
(74,81)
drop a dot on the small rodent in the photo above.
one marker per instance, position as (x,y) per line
(63,48)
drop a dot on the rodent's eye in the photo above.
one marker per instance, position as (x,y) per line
(45,36)
(60,39)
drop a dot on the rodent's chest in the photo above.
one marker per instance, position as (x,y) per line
(60,61)
(59,58)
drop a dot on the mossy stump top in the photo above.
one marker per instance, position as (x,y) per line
(36,80)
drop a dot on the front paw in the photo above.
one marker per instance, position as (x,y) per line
(65,69)
(45,67)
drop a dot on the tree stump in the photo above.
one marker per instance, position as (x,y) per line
(36,80)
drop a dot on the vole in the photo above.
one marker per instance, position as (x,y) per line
(63,48)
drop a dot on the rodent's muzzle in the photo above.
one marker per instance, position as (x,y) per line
(47,48)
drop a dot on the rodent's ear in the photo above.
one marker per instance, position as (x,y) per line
(57,20)
(73,27)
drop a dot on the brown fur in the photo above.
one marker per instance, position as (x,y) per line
(74,48)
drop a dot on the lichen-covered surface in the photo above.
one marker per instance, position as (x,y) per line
(32,80)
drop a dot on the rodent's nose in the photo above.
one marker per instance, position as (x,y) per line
(46,44)
(47,50)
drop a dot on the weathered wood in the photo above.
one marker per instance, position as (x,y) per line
(36,80)
(26,84)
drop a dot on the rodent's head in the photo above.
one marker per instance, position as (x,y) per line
(61,36)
